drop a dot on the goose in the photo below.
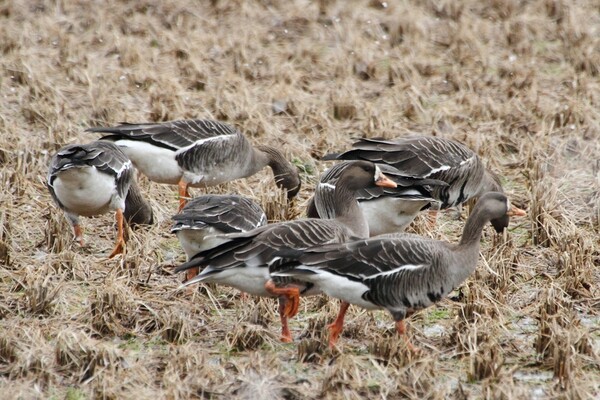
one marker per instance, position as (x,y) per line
(401,273)
(433,158)
(197,153)
(205,217)
(243,260)
(386,210)
(93,179)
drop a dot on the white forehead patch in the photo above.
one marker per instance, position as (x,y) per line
(377,173)
(508,204)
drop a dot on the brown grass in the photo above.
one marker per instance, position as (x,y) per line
(517,81)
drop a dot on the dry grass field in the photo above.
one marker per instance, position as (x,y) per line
(516,80)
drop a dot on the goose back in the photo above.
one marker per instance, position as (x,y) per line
(198,152)
(430,157)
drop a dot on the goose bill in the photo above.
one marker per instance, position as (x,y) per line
(516,212)
(384,181)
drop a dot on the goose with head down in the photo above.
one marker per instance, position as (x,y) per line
(401,273)
(243,261)
(93,179)
(431,157)
(197,153)
(199,224)
(386,210)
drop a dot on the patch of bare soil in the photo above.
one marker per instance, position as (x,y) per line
(517,81)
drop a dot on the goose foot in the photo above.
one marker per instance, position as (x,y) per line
(401,328)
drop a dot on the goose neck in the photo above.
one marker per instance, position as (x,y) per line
(473,228)
(347,211)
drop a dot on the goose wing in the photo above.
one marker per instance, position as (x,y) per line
(418,156)
(396,271)
(172,135)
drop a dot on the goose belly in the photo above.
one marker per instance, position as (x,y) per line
(86,191)
(390,214)
(157,163)
(247,279)
(194,241)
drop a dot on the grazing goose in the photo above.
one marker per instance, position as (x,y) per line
(386,210)
(203,217)
(243,261)
(434,158)
(401,273)
(198,153)
(95,178)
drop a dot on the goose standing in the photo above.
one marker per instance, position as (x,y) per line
(386,210)
(205,217)
(433,158)
(198,153)
(401,273)
(95,178)
(243,261)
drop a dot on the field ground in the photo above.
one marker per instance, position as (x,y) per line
(517,81)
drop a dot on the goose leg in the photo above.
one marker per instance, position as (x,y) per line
(401,328)
(120,244)
(432,219)
(184,193)
(78,233)
(336,327)
(286,335)
(291,294)
(190,273)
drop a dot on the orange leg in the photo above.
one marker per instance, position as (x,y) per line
(120,244)
(291,294)
(286,335)
(184,194)
(336,327)
(190,273)
(432,219)
(78,233)
(401,328)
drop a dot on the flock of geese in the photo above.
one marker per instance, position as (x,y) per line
(351,246)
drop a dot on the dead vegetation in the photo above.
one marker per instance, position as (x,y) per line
(516,81)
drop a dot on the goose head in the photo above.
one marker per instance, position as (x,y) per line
(363,174)
(288,178)
(496,207)
(286,174)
